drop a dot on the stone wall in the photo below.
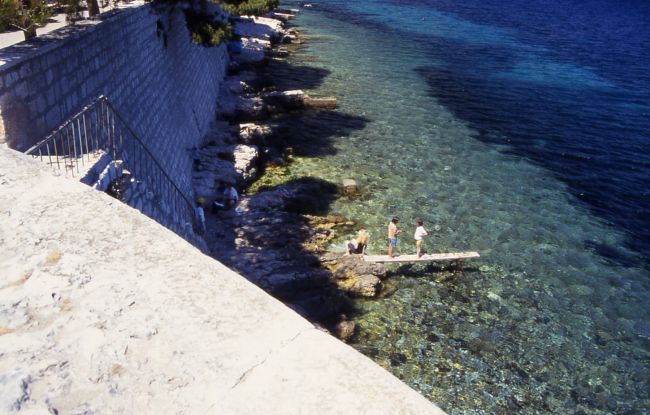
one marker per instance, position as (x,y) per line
(143,61)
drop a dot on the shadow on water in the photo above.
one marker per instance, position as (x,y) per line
(287,76)
(272,242)
(312,134)
(268,242)
(603,163)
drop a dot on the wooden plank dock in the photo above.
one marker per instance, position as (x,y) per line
(453,256)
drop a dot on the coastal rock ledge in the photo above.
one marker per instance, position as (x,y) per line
(104,311)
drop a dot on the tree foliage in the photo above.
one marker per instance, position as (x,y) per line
(206,31)
(248,7)
(25,15)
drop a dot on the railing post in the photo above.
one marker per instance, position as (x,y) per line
(83,116)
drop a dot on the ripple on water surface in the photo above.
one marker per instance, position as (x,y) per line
(545,322)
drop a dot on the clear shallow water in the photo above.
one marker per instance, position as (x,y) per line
(499,139)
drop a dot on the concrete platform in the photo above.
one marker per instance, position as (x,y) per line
(453,256)
(104,311)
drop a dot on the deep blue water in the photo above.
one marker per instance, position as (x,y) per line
(565,84)
(518,129)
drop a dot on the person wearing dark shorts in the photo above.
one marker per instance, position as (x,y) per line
(393,231)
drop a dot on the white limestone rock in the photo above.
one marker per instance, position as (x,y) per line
(14,390)
(246,158)
(264,28)
(283,17)
(293,99)
(253,50)
(249,132)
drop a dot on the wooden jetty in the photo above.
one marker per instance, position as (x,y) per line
(453,256)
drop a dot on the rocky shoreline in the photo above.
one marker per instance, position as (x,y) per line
(277,236)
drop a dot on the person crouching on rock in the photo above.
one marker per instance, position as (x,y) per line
(362,240)
(359,245)
(229,198)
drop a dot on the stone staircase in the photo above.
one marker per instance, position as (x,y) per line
(97,147)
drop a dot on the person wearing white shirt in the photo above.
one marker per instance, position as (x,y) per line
(230,195)
(420,233)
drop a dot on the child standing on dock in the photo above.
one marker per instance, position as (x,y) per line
(420,232)
(392,235)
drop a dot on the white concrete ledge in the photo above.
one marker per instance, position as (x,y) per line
(104,311)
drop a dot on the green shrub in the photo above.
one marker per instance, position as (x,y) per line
(25,15)
(248,7)
(205,31)
(8,12)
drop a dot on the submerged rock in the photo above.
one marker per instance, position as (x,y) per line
(320,103)
(350,186)
(344,330)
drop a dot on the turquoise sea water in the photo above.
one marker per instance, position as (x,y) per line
(547,321)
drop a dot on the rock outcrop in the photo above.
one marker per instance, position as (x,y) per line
(353,275)
(276,236)
(250,133)
(246,158)
(237,106)
(274,239)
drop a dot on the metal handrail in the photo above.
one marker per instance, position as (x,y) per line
(153,158)
(98,128)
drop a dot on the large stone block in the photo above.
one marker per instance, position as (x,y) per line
(25,70)
(21,91)
(53,118)
(37,105)
(10,78)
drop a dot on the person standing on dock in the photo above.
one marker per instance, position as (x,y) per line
(393,231)
(420,232)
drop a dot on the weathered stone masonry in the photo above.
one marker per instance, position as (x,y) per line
(167,94)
